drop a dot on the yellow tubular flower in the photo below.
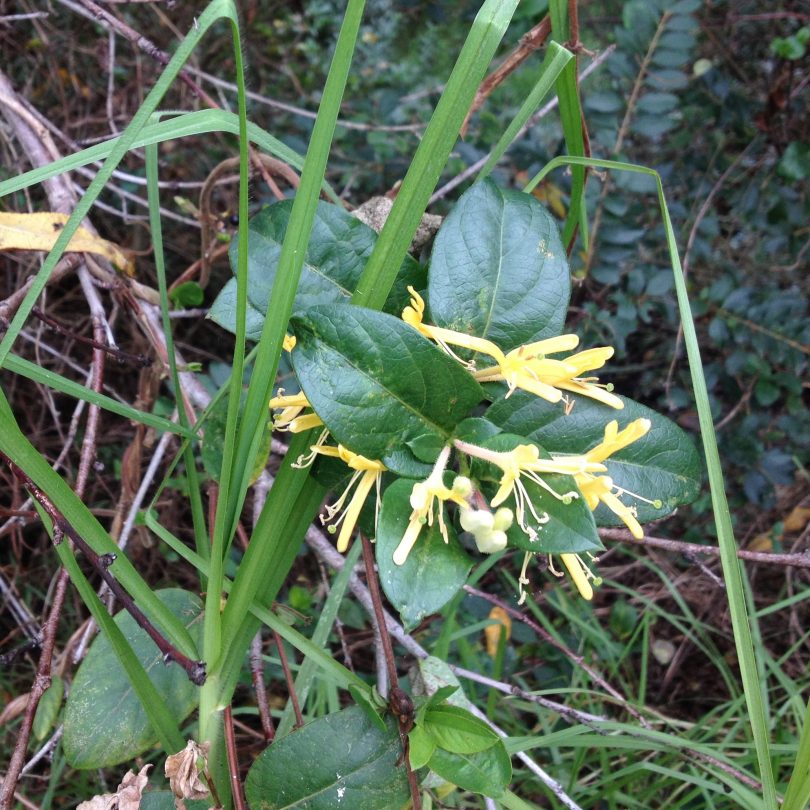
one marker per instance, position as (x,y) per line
(423,497)
(367,475)
(290,417)
(580,574)
(528,368)
(601,488)
(414,314)
(289,343)
(525,461)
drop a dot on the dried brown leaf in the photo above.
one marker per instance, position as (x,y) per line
(183,774)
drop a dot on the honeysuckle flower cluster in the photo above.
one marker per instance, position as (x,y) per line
(528,368)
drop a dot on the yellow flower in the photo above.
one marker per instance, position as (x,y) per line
(525,461)
(526,367)
(367,475)
(414,314)
(601,488)
(290,417)
(423,499)
(288,343)
(580,573)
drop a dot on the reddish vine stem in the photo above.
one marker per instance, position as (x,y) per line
(233,763)
(285,666)
(257,675)
(399,703)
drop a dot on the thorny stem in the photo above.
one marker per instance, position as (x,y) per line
(233,764)
(399,702)
(285,666)
(194,669)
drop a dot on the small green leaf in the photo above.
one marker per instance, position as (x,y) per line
(421,746)
(434,570)
(187,294)
(105,723)
(663,465)
(498,268)
(337,252)
(456,730)
(365,700)
(341,760)
(487,772)
(48,708)
(376,383)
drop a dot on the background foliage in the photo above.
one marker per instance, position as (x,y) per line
(714,95)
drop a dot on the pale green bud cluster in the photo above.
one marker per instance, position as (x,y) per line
(488,529)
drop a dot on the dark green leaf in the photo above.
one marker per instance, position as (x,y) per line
(663,465)
(104,721)
(498,269)
(434,570)
(164,800)
(487,772)
(376,383)
(341,760)
(458,731)
(336,255)
(364,699)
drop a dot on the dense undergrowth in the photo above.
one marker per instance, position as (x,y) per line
(713,96)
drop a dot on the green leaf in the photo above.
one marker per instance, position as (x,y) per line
(376,383)
(434,570)
(187,294)
(336,254)
(214,441)
(498,268)
(570,527)
(456,730)
(487,772)
(164,800)
(48,708)
(663,465)
(342,759)
(421,746)
(105,723)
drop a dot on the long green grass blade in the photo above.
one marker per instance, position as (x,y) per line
(725,534)
(555,60)
(320,636)
(434,149)
(155,222)
(183,125)
(31,371)
(154,706)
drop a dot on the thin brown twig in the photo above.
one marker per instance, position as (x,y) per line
(288,677)
(102,562)
(799,559)
(233,763)
(578,660)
